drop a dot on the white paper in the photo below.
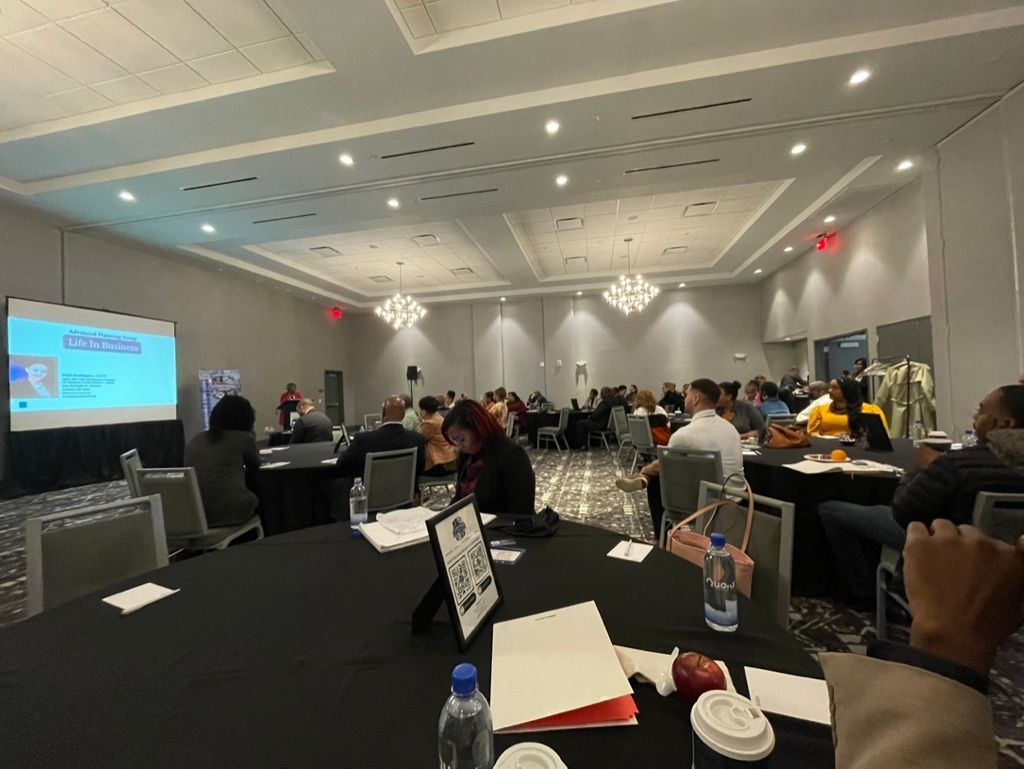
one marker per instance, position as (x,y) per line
(272,465)
(331,461)
(499,555)
(551,663)
(857,467)
(407,521)
(135,598)
(385,541)
(751,453)
(273,449)
(630,551)
(788,695)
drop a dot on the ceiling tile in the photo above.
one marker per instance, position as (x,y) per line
(22,71)
(65,9)
(511,8)
(173,79)
(409,3)
(81,100)
(277,54)
(62,50)
(35,110)
(125,89)
(457,14)
(119,40)
(604,207)
(418,21)
(15,16)
(310,46)
(243,22)
(223,67)
(284,14)
(176,26)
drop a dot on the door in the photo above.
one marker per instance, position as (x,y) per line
(836,355)
(334,397)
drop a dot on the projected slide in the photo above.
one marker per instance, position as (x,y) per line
(70,367)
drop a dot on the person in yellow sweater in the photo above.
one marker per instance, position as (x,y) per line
(834,418)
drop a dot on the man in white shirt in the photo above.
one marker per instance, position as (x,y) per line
(706,432)
(818,391)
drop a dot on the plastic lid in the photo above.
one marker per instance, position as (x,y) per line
(732,726)
(717,539)
(464,680)
(529,755)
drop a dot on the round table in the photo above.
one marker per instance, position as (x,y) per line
(296,495)
(296,651)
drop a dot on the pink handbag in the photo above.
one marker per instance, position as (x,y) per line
(691,546)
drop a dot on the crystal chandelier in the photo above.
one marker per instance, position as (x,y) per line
(400,311)
(630,294)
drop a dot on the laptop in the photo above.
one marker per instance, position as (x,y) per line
(343,439)
(877,435)
(575,404)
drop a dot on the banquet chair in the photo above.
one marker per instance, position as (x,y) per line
(621,429)
(640,439)
(554,433)
(680,474)
(130,463)
(510,426)
(780,419)
(603,435)
(770,546)
(999,515)
(76,552)
(437,481)
(184,514)
(369,420)
(390,479)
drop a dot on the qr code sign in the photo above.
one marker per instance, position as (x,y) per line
(462,583)
(479,560)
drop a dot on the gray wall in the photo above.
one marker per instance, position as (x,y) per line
(976,232)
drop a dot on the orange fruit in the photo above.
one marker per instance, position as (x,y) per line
(838,455)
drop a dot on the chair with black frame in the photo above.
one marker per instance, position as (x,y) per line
(184,515)
(390,479)
(621,428)
(575,404)
(130,464)
(680,473)
(640,439)
(554,433)
(76,552)
(780,419)
(370,420)
(999,515)
(770,545)
(603,435)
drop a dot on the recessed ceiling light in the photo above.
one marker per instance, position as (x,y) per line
(798,149)
(860,76)
(579,293)
(829,219)
(552,127)
(127,197)
(905,165)
(503,299)
(788,249)
(561,180)
(209,229)
(682,285)
(758,271)
(393,202)
(789,339)
(345,159)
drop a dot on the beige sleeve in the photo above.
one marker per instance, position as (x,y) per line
(885,714)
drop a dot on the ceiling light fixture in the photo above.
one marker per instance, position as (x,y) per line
(552,127)
(905,165)
(630,294)
(209,229)
(579,293)
(561,180)
(798,149)
(345,159)
(127,197)
(829,219)
(400,311)
(503,299)
(758,271)
(860,76)
(788,249)
(682,285)
(393,202)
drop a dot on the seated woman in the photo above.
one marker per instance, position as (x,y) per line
(516,409)
(743,415)
(221,457)
(644,405)
(489,464)
(835,418)
(592,400)
(440,456)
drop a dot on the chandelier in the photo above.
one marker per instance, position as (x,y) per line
(630,294)
(400,311)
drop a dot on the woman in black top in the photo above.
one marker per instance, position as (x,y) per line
(489,464)
(743,415)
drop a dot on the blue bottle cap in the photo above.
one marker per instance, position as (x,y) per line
(718,539)
(464,680)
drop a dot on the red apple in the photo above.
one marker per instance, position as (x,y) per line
(694,674)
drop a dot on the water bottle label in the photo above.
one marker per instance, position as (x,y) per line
(720,585)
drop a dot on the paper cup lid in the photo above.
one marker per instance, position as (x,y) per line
(529,755)
(732,725)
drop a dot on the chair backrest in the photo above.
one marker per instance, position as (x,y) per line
(780,419)
(370,419)
(75,552)
(336,432)
(1000,515)
(130,463)
(640,432)
(681,473)
(563,420)
(390,479)
(619,424)
(510,425)
(178,488)
(771,545)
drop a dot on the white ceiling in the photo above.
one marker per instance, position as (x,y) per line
(660,105)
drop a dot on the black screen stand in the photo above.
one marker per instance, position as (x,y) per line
(424,613)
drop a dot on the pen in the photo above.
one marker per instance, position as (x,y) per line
(629,544)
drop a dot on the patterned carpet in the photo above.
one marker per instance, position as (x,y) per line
(581,487)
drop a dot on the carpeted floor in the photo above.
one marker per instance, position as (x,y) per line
(581,487)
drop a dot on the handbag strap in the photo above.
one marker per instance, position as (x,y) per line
(714,507)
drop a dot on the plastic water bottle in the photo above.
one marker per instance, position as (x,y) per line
(970,439)
(720,607)
(357,507)
(919,433)
(465,733)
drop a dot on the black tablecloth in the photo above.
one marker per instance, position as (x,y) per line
(813,572)
(294,496)
(279,438)
(298,653)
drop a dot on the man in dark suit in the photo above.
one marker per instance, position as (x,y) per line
(312,425)
(389,436)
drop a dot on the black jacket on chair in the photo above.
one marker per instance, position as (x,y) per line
(506,484)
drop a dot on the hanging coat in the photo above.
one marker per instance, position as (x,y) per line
(892,395)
